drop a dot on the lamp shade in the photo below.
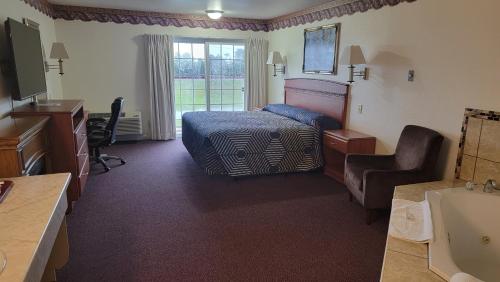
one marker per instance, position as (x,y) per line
(353,55)
(58,51)
(274,58)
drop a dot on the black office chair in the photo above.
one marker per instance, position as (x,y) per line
(102,133)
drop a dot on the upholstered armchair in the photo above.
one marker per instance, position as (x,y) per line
(371,178)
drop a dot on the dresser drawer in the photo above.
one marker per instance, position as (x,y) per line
(32,149)
(84,174)
(335,143)
(80,135)
(82,156)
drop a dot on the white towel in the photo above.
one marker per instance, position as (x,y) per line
(464,277)
(411,221)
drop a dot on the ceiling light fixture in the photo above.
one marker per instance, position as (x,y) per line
(214,14)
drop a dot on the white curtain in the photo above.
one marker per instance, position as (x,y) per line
(256,73)
(160,75)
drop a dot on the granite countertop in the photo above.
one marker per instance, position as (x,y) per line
(30,218)
(406,261)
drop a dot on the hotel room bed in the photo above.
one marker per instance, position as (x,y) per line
(250,143)
(282,138)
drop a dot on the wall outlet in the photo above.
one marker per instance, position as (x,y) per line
(360,109)
(411,75)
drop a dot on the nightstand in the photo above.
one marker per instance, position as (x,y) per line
(338,143)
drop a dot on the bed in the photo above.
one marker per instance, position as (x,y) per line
(279,139)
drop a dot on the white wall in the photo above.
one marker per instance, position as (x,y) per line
(107,60)
(453,46)
(18,10)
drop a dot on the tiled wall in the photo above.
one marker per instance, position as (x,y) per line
(479,156)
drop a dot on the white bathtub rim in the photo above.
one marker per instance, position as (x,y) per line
(442,255)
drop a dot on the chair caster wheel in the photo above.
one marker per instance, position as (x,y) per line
(106,169)
(123,162)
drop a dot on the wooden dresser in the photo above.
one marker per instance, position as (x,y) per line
(338,143)
(68,139)
(24,146)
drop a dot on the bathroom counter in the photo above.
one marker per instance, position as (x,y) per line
(407,261)
(33,234)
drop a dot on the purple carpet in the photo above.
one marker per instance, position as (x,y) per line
(160,218)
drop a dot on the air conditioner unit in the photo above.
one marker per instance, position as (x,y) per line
(129,127)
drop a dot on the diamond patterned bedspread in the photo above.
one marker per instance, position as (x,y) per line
(250,143)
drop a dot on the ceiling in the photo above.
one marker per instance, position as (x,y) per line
(250,9)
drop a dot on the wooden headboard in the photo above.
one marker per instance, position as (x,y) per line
(323,96)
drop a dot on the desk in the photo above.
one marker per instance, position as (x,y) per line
(68,139)
(33,232)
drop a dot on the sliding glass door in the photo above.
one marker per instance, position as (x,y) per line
(209,76)
(227,77)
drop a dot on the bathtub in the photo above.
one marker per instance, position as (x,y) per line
(466,233)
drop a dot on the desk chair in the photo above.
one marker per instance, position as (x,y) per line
(102,133)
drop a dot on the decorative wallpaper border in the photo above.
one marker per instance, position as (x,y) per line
(471,113)
(336,8)
(330,10)
(41,5)
(154,18)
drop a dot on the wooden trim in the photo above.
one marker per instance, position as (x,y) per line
(33,161)
(335,8)
(323,96)
(24,129)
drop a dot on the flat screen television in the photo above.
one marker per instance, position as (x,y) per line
(26,60)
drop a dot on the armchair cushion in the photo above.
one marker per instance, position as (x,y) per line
(371,161)
(418,148)
(356,164)
(379,185)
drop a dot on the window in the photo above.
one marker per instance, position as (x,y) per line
(209,76)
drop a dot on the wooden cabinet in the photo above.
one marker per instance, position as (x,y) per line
(338,143)
(23,146)
(68,139)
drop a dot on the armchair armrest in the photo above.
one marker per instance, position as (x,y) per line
(379,185)
(370,161)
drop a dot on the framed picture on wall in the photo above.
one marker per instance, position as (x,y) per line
(321,49)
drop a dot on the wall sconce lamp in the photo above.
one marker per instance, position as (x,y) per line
(274,59)
(353,55)
(58,52)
